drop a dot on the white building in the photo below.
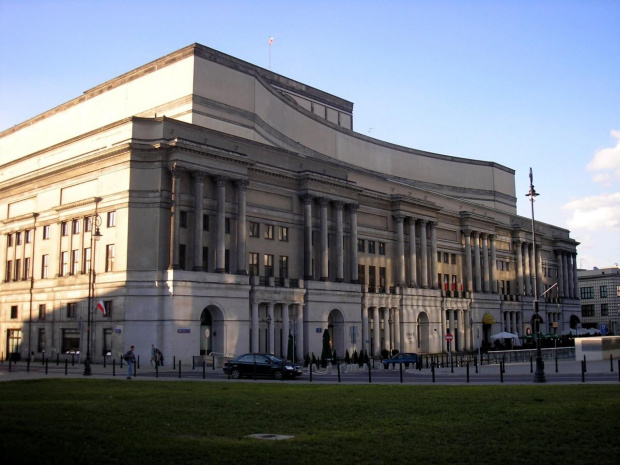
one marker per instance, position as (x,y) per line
(600,299)
(238,206)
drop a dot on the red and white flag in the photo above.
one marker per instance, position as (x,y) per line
(271,41)
(101,308)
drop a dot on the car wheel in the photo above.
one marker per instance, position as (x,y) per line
(235,373)
(277,374)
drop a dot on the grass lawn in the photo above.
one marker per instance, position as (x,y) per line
(108,421)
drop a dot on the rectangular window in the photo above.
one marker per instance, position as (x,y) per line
(107,342)
(71,310)
(507,266)
(27,268)
(499,265)
(88,224)
(361,245)
(283,233)
(603,291)
(446,257)
(268,231)
(268,263)
(226,260)
(41,311)
(64,228)
(205,222)
(502,287)
(254,229)
(453,258)
(109,257)
(382,281)
(46,232)
(9,240)
(183,219)
(111,219)
(18,269)
(372,277)
(18,238)
(361,274)
(70,341)
(13,312)
(182,257)
(438,257)
(253,264)
(587,310)
(8,275)
(381,248)
(453,282)
(227,226)
(446,282)
(109,307)
(371,246)
(604,309)
(587,292)
(508,288)
(87,260)
(618,291)
(41,340)
(75,262)
(44,266)
(75,226)
(205,259)
(283,267)
(64,263)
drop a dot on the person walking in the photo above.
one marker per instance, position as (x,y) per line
(130,358)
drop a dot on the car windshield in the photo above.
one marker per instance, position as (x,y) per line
(273,358)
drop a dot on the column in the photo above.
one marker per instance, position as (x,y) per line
(575,278)
(452,327)
(324,238)
(307,199)
(423,254)
(565,275)
(270,329)
(400,238)
(513,324)
(569,266)
(493,266)
(519,253)
(413,260)
(434,277)
(387,338)
(539,270)
(220,247)
(254,329)
(460,325)
(376,326)
(467,330)
(241,227)
(299,333)
(365,333)
(339,243)
(485,261)
(286,330)
(175,171)
(469,278)
(353,246)
(198,208)
(528,275)
(397,329)
(477,266)
(558,258)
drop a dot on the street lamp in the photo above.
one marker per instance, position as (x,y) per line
(268,333)
(94,237)
(539,374)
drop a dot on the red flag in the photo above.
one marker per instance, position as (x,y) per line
(101,308)
(271,41)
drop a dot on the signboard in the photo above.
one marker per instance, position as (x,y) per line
(603,329)
(319,330)
(183,330)
(449,337)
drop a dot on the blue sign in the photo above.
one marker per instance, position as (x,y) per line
(319,330)
(603,329)
(117,331)
(183,330)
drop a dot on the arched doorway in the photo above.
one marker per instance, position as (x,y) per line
(211,331)
(335,324)
(423,335)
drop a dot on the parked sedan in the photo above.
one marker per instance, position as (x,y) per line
(404,357)
(261,365)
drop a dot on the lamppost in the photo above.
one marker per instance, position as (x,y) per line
(268,334)
(539,374)
(94,237)
(294,321)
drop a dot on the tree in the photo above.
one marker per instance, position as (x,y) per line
(326,353)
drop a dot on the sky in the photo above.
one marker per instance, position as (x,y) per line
(522,83)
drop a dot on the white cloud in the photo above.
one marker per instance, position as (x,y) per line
(607,159)
(595,213)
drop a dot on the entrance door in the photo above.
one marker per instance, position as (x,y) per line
(206,346)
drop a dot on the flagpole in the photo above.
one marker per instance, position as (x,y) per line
(270,44)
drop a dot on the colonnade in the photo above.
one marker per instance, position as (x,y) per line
(480,273)
(292,319)
(568,286)
(458,324)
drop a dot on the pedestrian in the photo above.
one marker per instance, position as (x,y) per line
(153,354)
(130,358)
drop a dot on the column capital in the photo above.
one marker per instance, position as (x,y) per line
(433,223)
(423,222)
(353,207)
(307,199)
(221,180)
(399,217)
(323,201)
(338,204)
(176,170)
(199,176)
(242,184)
(476,234)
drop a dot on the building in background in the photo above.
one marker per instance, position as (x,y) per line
(236,209)
(599,290)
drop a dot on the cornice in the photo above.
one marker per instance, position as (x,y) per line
(20,218)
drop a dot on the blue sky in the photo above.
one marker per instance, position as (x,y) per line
(522,83)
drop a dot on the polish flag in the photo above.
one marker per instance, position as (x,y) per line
(101,308)
(271,41)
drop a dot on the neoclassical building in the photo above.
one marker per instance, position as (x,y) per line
(224,208)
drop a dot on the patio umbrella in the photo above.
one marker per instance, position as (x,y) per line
(504,335)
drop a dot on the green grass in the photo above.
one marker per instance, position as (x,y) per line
(107,421)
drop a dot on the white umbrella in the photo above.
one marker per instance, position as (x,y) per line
(505,335)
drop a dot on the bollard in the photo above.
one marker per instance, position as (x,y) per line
(193,363)
(121,359)
(66,366)
(451,365)
(401,372)
(104,359)
(134,365)
(28,365)
(531,365)
(467,372)
(433,370)
(10,360)
(174,361)
(583,371)
(556,362)
(204,368)
(46,363)
(585,367)
(310,371)
(179,369)
(213,362)
(611,363)
(338,368)
(113,367)
(57,359)
(369,374)
(501,372)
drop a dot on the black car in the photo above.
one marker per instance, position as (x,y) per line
(261,365)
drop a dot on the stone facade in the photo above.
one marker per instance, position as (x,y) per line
(236,207)
(600,299)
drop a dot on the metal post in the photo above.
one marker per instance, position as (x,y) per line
(501,371)
(369,374)
(179,369)
(113,367)
(338,368)
(433,370)
(583,371)
(401,372)
(204,369)
(94,237)
(46,365)
(156,370)
(467,372)
(611,363)
(310,372)
(66,366)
